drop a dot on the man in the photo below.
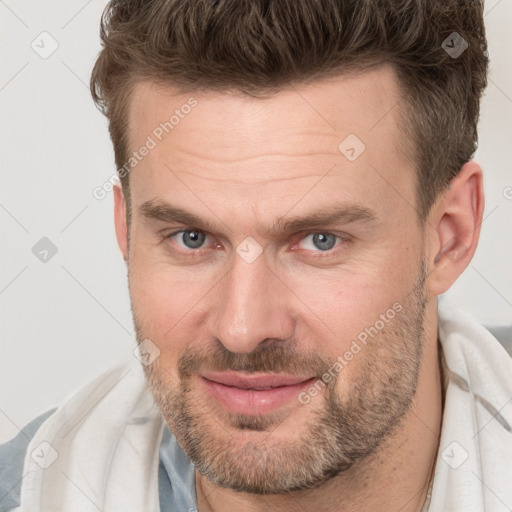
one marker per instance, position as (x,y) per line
(296,191)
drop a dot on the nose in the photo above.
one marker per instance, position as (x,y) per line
(252,305)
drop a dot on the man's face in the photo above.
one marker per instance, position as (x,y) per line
(287,351)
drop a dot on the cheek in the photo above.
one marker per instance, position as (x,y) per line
(351,309)
(354,296)
(163,297)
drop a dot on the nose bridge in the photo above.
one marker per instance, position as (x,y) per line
(252,307)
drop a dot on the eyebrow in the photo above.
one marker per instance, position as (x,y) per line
(346,213)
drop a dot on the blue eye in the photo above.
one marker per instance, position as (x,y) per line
(191,242)
(191,238)
(321,241)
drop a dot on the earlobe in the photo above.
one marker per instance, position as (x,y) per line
(456,218)
(120,221)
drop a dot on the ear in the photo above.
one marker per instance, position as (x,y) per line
(456,218)
(120,221)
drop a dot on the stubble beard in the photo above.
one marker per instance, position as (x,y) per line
(341,433)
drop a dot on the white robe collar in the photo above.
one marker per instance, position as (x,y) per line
(107,436)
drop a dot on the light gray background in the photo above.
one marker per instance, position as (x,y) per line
(68,319)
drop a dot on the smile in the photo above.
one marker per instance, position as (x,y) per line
(253,394)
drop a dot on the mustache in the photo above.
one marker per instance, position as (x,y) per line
(275,357)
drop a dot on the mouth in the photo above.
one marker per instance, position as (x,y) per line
(253,394)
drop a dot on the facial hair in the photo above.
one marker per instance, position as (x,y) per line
(347,428)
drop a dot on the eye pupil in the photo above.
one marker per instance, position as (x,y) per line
(324,241)
(193,239)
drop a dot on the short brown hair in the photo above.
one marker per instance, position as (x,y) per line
(260,46)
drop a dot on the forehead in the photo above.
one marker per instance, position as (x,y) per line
(356,102)
(247,145)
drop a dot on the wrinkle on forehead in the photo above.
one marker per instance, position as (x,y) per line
(232,148)
(229,126)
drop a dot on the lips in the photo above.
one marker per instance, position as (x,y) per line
(256,382)
(253,394)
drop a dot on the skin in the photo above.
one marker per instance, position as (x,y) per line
(242,162)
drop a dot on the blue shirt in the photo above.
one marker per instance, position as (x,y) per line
(176,480)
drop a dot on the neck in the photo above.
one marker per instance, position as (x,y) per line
(395,477)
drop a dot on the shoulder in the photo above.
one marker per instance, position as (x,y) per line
(459,330)
(472,353)
(12,457)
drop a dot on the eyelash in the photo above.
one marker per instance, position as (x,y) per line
(343,240)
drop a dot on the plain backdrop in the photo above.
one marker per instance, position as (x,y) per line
(67,319)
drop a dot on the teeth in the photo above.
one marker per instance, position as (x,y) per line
(260,389)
